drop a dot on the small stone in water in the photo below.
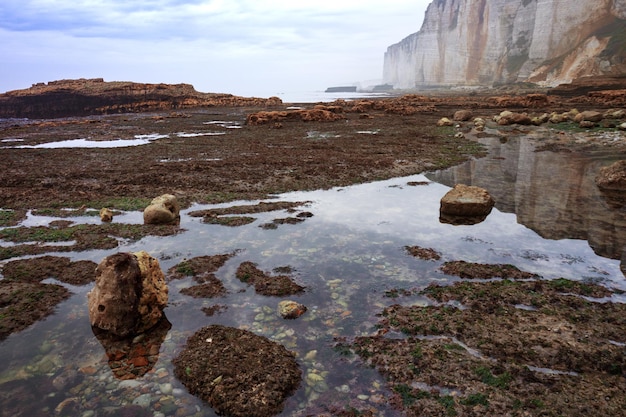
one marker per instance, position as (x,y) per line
(143,400)
(291,309)
(129,383)
(344,388)
(166,388)
(310,355)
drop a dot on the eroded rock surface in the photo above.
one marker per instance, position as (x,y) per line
(266,284)
(289,309)
(545,347)
(162,210)
(83,97)
(130,294)
(23,303)
(237,372)
(478,42)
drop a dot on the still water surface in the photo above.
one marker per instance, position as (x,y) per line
(550,219)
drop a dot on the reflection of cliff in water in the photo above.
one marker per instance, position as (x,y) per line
(553,193)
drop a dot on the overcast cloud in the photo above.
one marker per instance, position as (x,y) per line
(245,47)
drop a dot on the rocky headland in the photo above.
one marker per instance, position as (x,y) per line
(85,97)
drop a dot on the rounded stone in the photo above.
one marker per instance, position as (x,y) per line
(143,400)
(162,210)
(106,215)
(462,115)
(290,309)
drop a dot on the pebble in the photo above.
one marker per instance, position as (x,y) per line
(344,388)
(143,400)
(310,355)
(166,388)
(45,347)
(129,383)
(178,392)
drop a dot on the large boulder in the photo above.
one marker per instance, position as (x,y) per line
(466,201)
(612,177)
(589,116)
(129,295)
(238,373)
(509,118)
(462,115)
(162,210)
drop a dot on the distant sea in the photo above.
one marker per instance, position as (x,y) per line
(317,96)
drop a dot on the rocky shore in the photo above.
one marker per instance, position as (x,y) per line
(437,359)
(83,97)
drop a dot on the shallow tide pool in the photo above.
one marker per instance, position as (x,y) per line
(549,219)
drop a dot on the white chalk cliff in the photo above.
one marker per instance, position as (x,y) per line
(490,42)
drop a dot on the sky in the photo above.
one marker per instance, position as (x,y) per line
(243,47)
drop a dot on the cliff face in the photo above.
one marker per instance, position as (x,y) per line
(95,96)
(487,42)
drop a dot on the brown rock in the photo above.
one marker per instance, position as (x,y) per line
(237,372)
(106,215)
(615,114)
(318,114)
(466,201)
(83,97)
(444,121)
(266,284)
(508,118)
(162,210)
(612,177)
(539,120)
(288,309)
(558,118)
(589,116)
(462,115)
(129,295)
(132,357)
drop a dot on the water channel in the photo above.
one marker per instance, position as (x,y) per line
(549,219)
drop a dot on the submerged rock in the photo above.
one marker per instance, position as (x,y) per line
(237,372)
(162,210)
(130,294)
(288,309)
(266,284)
(133,356)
